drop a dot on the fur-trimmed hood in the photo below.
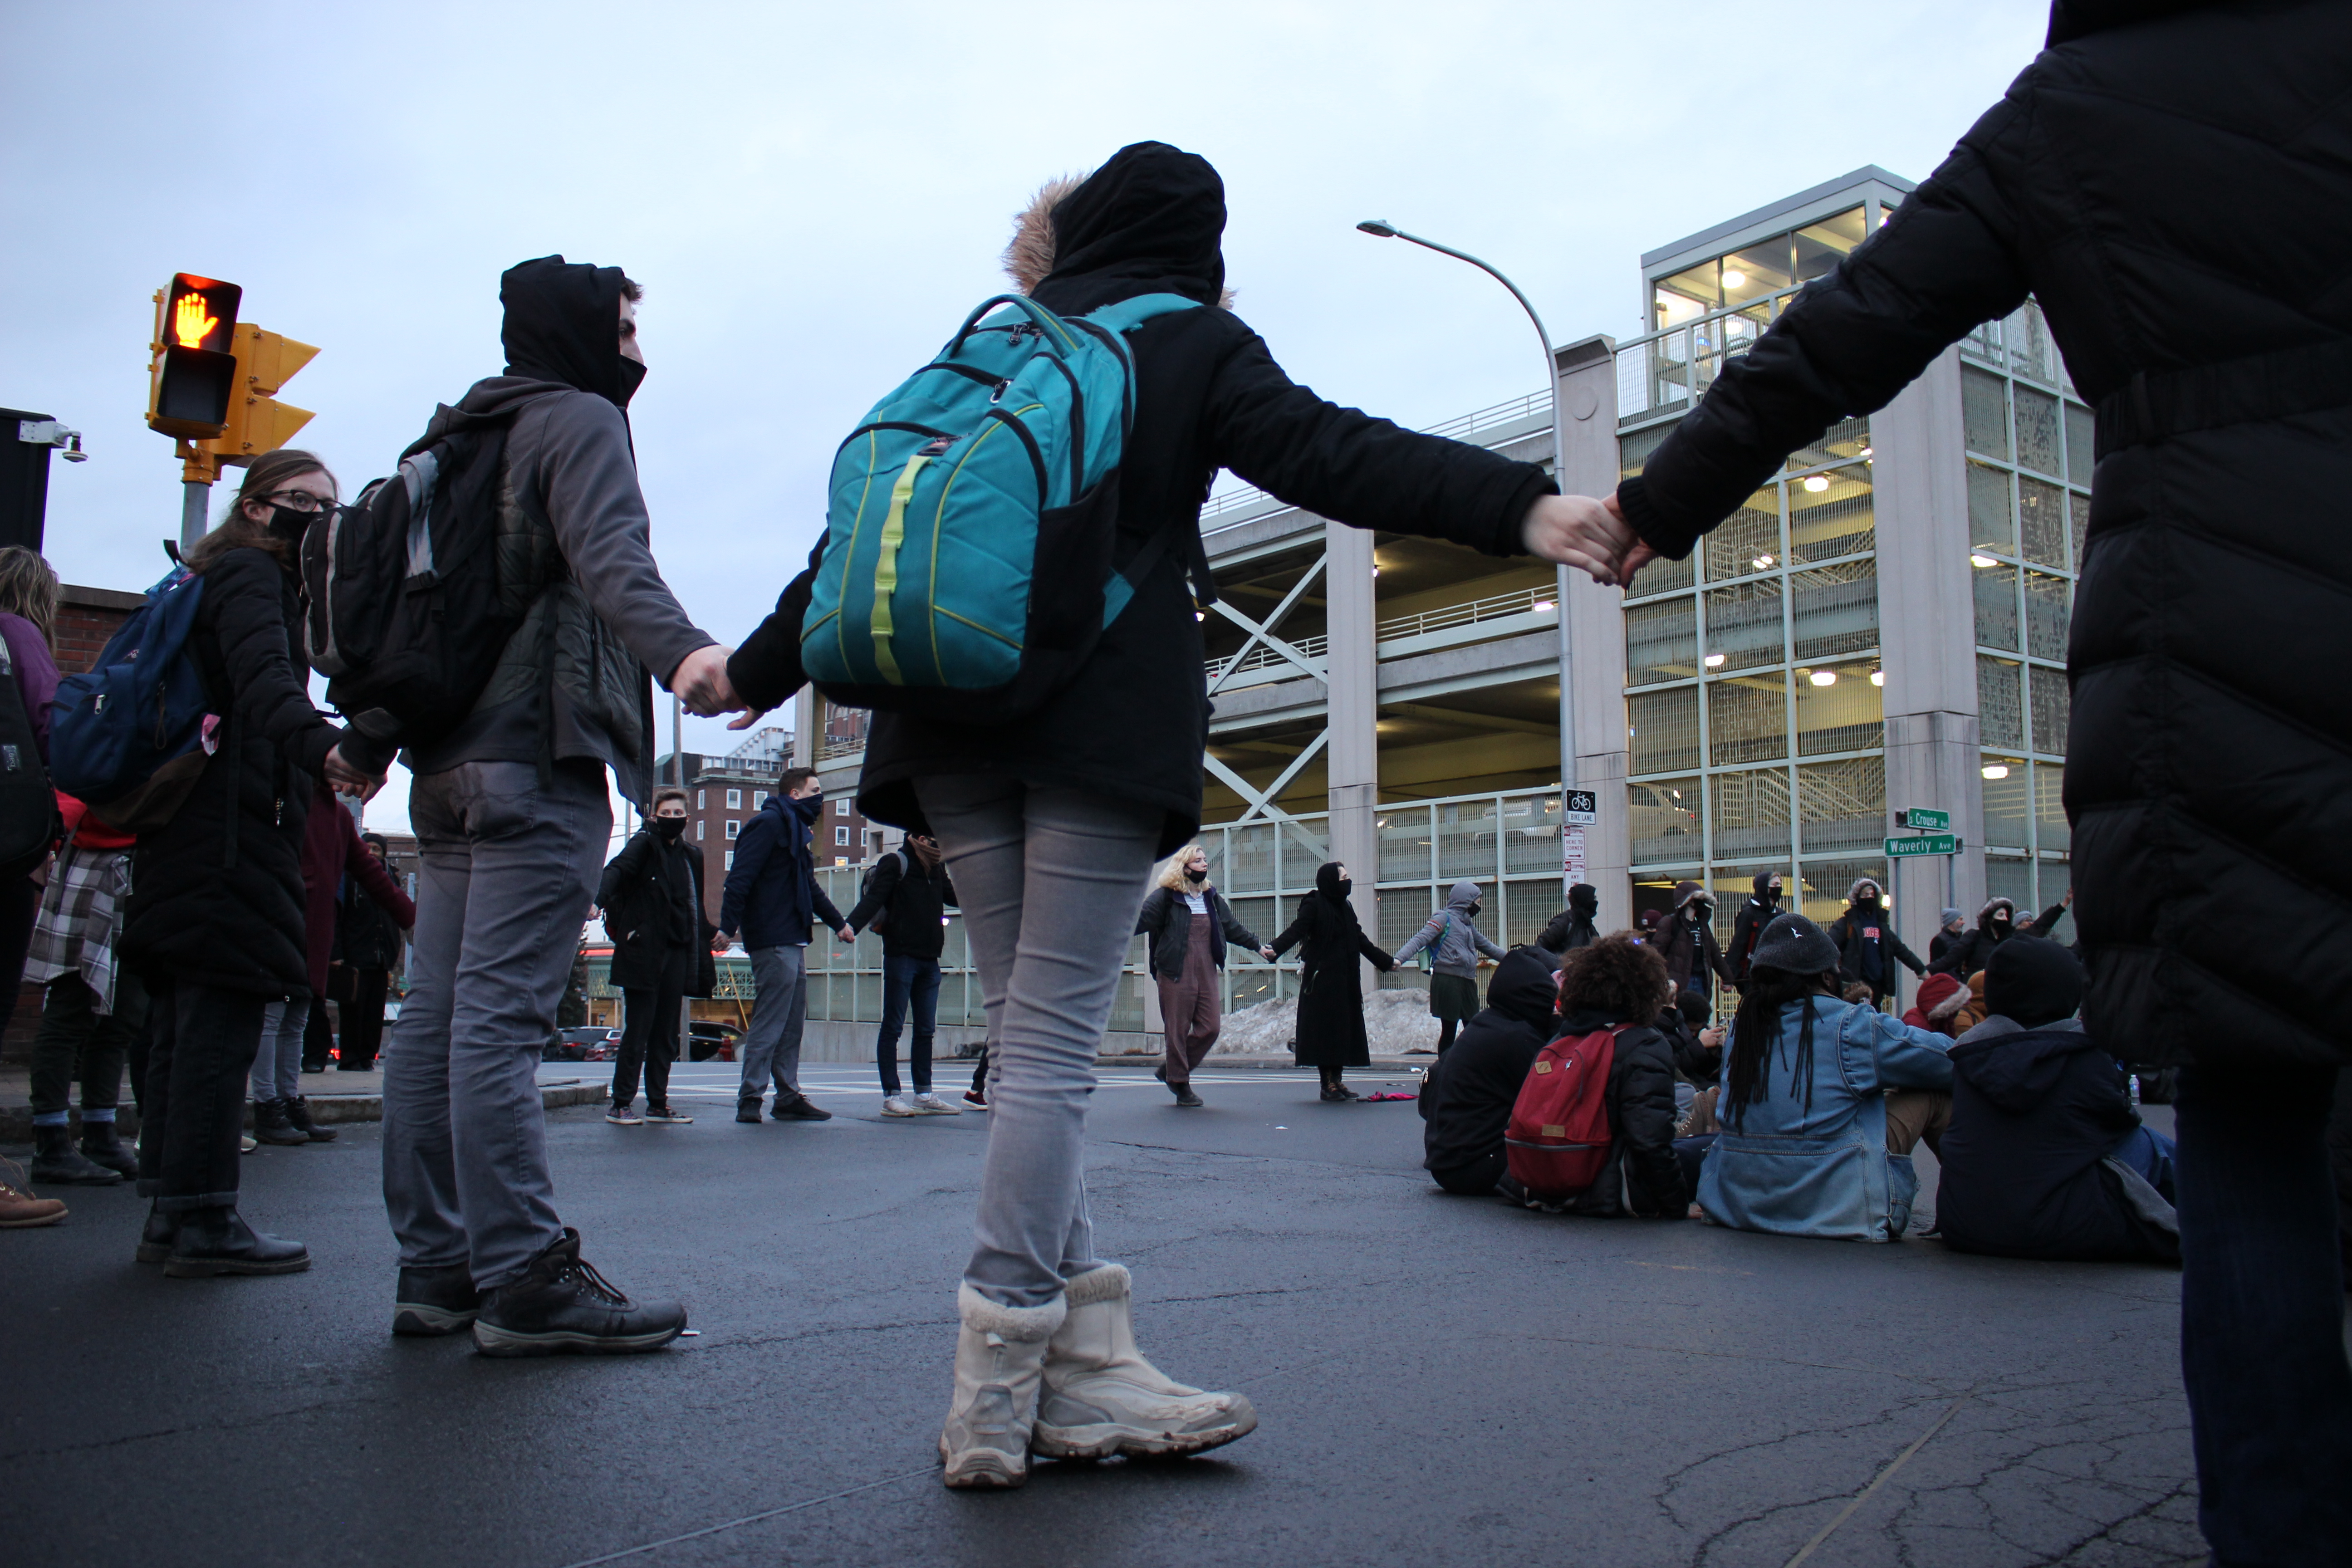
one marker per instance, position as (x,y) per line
(1031,254)
(1984,915)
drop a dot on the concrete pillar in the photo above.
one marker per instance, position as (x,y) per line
(1353,715)
(1926,630)
(805,737)
(1594,704)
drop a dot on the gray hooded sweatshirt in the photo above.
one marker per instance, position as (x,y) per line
(1454,936)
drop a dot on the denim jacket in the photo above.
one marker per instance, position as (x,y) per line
(1824,1170)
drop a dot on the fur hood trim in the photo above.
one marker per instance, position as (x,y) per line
(1859,884)
(1960,998)
(1029,256)
(1985,914)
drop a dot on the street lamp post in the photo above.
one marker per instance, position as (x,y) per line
(1382,229)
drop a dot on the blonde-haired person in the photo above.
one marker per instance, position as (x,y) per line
(216,921)
(29,623)
(1187,924)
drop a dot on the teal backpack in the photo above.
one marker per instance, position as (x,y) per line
(966,571)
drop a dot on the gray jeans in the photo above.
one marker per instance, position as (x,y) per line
(772,1046)
(1050,881)
(277,1065)
(508,870)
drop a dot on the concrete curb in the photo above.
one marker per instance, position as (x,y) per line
(327,1109)
(1284,1061)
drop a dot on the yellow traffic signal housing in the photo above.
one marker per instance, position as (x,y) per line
(191,375)
(257,422)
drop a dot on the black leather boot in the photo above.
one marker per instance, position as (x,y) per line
(559,1305)
(219,1241)
(56,1161)
(155,1238)
(298,1116)
(270,1124)
(432,1301)
(99,1146)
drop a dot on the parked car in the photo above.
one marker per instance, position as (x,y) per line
(707,1038)
(581,1043)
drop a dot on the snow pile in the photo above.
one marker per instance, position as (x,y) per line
(1394,1023)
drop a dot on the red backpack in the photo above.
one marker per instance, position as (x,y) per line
(1558,1140)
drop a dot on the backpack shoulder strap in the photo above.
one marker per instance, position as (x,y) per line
(1129,314)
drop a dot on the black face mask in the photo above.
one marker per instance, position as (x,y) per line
(633,375)
(290,525)
(1344,884)
(1771,895)
(1472,911)
(1193,876)
(671,829)
(1868,901)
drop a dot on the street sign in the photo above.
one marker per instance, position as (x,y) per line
(1571,855)
(1927,844)
(1920,818)
(1583,807)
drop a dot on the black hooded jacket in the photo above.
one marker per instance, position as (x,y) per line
(1573,927)
(1973,948)
(1132,725)
(559,325)
(1748,925)
(1467,1099)
(2209,775)
(1853,931)
(1329,939)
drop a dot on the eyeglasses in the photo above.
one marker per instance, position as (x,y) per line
(297,500)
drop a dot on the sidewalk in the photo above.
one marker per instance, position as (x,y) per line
(333,1096)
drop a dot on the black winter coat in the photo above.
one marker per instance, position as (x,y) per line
(912,906)
(1568,931)
(366,936)
(1690,949)
(2035,1115)
(1165,921)
(1969,951)
(1846,931)
(1133,723)
(651,894)
(2209,775)
(1466,1100)
(1746,927)
(1642,1179)
(216,892)
(1330,989)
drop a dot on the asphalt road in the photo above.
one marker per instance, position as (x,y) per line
(1440,1381)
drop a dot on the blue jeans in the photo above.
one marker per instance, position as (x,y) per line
(2262,1315)
(906,979)
(2151,1155)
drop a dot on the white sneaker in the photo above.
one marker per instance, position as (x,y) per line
(1100,1397)
(932,1104)
(899,1105)
(1000,1351)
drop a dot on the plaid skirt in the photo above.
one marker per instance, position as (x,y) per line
(81,914)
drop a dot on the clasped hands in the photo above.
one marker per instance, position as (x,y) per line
(1588,533)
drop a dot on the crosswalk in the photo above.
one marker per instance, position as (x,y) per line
(716,1082)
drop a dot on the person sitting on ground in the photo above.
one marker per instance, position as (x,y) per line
(1602,987)
(2045,1157)
(1683,1022)
(1467,1098)
(1939,1001)
(1574,926)
(1996,923)
(1868,949)
(1455,942)
(1812,1144)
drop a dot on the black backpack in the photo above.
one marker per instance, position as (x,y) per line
(880,924)
(28,807)
(410,599)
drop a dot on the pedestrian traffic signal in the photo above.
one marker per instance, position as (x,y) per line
(257,422)
(191,373)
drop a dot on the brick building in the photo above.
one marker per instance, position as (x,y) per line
(722,792)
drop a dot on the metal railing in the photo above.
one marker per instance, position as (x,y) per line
(1261,657)
(1670,368)
(1519,601)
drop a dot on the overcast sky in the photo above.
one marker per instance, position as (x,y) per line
(814,195)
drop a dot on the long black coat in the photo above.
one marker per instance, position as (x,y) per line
(1133,723)
(2034,1114)
(1331,988)
(2210,774)
(650,893)
(216,892)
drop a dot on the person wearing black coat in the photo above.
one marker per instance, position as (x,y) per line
(906,899)
(368,948)
(216,921)
(1573,927)
(1466,1099)
(1331,988)
(1970,951)
(1112,760)
(2114,183)
(1868,948)
(651,894)
(1187,926)
(1953,927)
(2045,1156)
(1684,939)
(1748,925)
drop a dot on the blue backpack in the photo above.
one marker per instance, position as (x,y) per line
(966,571)
(127,737)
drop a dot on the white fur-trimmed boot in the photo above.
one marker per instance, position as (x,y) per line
(1000,1353)
(1102,1398)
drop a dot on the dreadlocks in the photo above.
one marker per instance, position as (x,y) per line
(1756,1030)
